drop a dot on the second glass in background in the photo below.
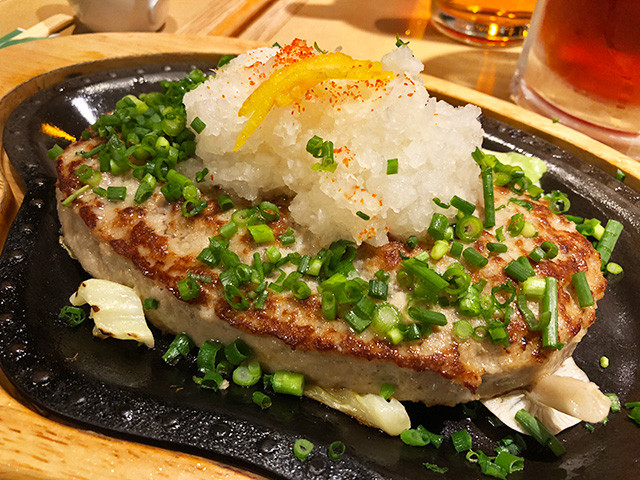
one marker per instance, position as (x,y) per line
(483,22)
(581,65)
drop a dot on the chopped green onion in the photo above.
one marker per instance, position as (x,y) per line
(329,306)
(440,203)
(229,229)
(356,322)
(496,247)
(475,257)
(150,304)
(456,249)
(519,269)
(427,316)
(318,49)
(462,329)
(533,287)
(609,239)
(198,125)
(613,268)
(558,202)
(550,249)
(269,211)
(67,201)
(440,248)
(101,192)
(212,380)
(499,235)
(620,175)
(420,436)
(538,431)
(336,451)
(288,382)
(469,228)
(287,238)
(550,308)
(262,400)
(387,390)
(399,42)
(435,468)
(461,441)
(237,352)
(438,226)
(207,356)
(179,347)
(261,233)
(88,176)
(247,375)
(225,202)
(200,176)
(224,59)
(188,288)
(363,215)
(392,166)
(378,289)
(385,317)
(529,317)
(583,291)
(302,448)
(489,202)
(72,315)
(516,224)
(465,207)
(116,193)
(537,254)
(273,255)
(54,152)
(615,402)
(412,241)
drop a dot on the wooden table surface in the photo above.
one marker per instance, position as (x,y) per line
(33,446)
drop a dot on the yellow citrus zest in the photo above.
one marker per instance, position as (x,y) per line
(291,82)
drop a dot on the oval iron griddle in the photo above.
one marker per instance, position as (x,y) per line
(123,390)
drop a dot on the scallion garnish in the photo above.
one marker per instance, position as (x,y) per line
(549,308)
(461,441)
(290,383)
(237,352)
(435,468)
(198,125)
(465,207)
(516,224)
(438,226)
(262,400)
(550,249)
(489,202)
(475,257)
(608,241)
(456,249)
(583,292)
(336,451)
(224,59)
(519,269)
(387,390)
(363,215)
(54,152)
(287,238)
(67,201)
(302,448)
(72,315)
(261,233)
(420,436)
(399,42)
(469,228)
(558,202)
(116,194)
(247,375)
(200,176)
(620,175)
(225,202)
(188,288)
(537,254)
(496,247)
(392,166)
(150,304)
(538,431)
(179,347)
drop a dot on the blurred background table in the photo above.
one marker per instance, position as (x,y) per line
(33,446)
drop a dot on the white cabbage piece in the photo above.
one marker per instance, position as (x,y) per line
(373,410)
(560,400)
(115,309)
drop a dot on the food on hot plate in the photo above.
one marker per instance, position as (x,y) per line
(340,223)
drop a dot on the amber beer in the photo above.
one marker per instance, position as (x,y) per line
(488,22)
(585,61)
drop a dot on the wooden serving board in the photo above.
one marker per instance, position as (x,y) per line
(33,446)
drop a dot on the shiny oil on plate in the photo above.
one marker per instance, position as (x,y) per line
(126,391)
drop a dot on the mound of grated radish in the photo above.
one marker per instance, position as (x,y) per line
(369,122)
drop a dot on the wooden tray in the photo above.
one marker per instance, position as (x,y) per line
(35,447)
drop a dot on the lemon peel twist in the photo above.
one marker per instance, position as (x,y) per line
(291,82)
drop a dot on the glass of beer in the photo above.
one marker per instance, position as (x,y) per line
(483,22)
(580,65)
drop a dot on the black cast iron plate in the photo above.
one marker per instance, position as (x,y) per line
(127,391)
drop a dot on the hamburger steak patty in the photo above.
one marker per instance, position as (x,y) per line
(151,246)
